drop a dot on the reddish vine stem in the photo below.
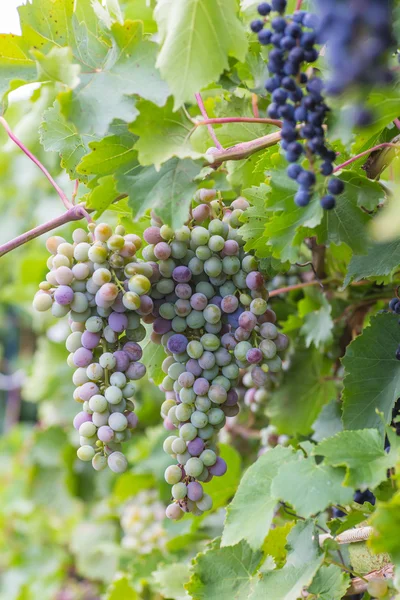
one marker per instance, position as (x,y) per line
(37,162)
(75,213)
(298,4)
(397,122)
(354,158)
(239,120)
(254,105)
(290,288)
(203,111)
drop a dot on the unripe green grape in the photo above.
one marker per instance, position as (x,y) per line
(117,421)
(194,349)
(183,412)
(102,232)
(210,374)
(205,503)
(85,453)
(178,324)
(100,418)
(210,342)
(227,289)
(136,335)
(377,588)
(213,266)
(217,227)
(80,377)
(172,416)
(117,462)
(167,311)
(245,299)
(174,512)
(203,403)
(268,349)
(139,284)
(175,370)
(179,491)
(97,253)
(194,467)
(208,457)
(215,416)
(216,243)
(241,350)
(80,317)
(98,403)
(88,441)
(182,234)
(187,395)
(249,263)
(239,279)
(223,382)
(165,286)
(203,253)
(81,251)
(115,242)
(207,432)
(198,419)
(119,436)
(168,384)
(87,408)
(275,364)
(212,314)
(173,474)
(178,249)
(258,306)
(73,341)
(200,236)
(42,301)
(59,311)
(87,429)
(66,249)
(113,394)
(217,394)
(53,242)
(203,475)
(230,265)
(183,458)
(182,357)
(231,371)
(188,432)
(195,320)
(166,267)
(95,372)
(167,445)
(178,446)
(118,379)
(107,360)
(99,462)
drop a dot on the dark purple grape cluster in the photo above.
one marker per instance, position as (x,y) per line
(358,37)
(394,306)
(100,285)
(212,317)
(297,99)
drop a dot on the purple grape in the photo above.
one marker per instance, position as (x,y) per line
(105,434)
(207,360)
(217,300)
(254,356)
(82,357)
(181,274)
(152,235)
(233,318)
(193,366)
(194,491)
(247,320)
(228,341)
(81,417)
(241,334)
(146,305)
(90,340)
(231,411)
(183,291)
(281,342)
(186,379)
(168,424)
(136,370)
(162,251)
(198,301)
(231,247)
(201,386)
(254,280)
(122,360)
(177,343)
(219,468)
(133,350)
(182,307)
(258,376)
(231,398)
(118,305)
(64,295)
(132,419)
(196,447)
(118,322)
(161,326)
(229,304)
(87,390)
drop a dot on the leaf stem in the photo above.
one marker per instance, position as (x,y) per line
(37,162)
(203,111)
(365,153)
(75,213)
(290,288)
(333,562)
(239,120)
(397,122)
(75,192)
(254,105)
(298,4)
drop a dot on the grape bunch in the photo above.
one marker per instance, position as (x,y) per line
(297,99)
(358,38)
(212,318)
(102,287)
(141,522)
(394,306)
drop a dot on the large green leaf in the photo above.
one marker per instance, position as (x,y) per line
(16,64)
(223,573)
(57,66)
(253,218)
(193,29)
(121,589)
(221,489)
(249,515)
(329,583)
(294,407)
(379,260)
(162,134)
(362,453)
(170,580)
(310,487)
(102,196)
(168,191)
(372,380)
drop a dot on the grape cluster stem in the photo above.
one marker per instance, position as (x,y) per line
(203,111)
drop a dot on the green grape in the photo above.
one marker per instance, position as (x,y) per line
(216,243)
(194,349)
(179,491)
(178,249)
(179,324)
(183,458)
(195,320)
(198,419)
(203,403)
(187,395)
(377,588)
(178,446)
(230,265)
(207,432)
(208,457)
(175,370)
(210,342)
(173,474)
(200,236)
(196,265)
(113,394)
(184,412)
(215,416)
(85,453)
(213,266)
(203,253)
(167,311)
(98,403)
(182,234)
(212,314)
(188,432)
(204,287)
(167,445)
(205,503)
(139,284)
(194,467)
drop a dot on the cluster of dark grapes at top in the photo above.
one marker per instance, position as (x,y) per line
(212,318)
(100,285)
(358,38)
(297,98)
(394,306)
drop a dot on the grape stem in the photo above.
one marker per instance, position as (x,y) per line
(75,213)
(218,120)
(397,123)
(37,162)
(75,192)
(244,149)
(254,105)
(365,153)
(203,111)
(298,4)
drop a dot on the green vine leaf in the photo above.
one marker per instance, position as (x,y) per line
(109,154)
(372,379)
(329,583)
(380,260)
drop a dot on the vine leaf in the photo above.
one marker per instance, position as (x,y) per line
(59,135)
(121,589)
(223,573)
(162,134)
(249,515)
(103,195)
(170,580)
(187,31)
(16,65)
(315,313)
(380,260)
(310,487)
(328,422)
(252,230)
(168,191)
(372,380)
(363,454)
(329,583)
(57,66)
(109,154)
(153,357)
(297,402)
(386,524)
(303,561)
